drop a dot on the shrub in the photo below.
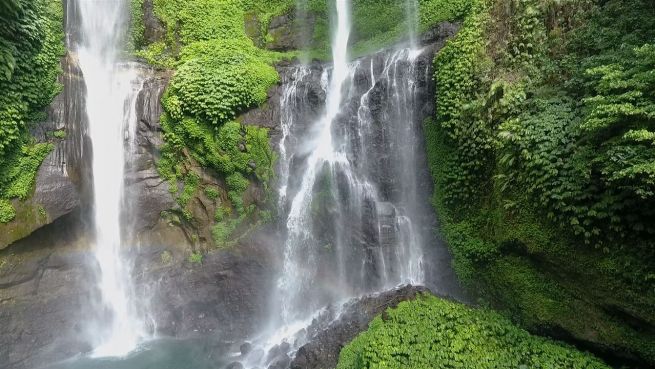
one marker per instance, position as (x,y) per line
(433,333)
(220,78)
(195,258)
(211,193)
(31,43)
(7,211)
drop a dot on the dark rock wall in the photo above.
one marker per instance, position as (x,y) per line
(45,286)
(147,194)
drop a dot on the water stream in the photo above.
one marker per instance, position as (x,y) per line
(354,213)
(353,219)
(112,87)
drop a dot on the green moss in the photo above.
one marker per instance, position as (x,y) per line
(43,214)
(20,170)
(60,134)
(137,26)
(221,232)
(211,193)
(221,213)
(576,300)
(166,258)
(7,211)
(434,333)
(219,74)
(195,258)
(524,180)
(191,182)
(219,79)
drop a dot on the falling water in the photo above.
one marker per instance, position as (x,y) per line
(355,220)
(298,258)
(111,91)
(412,11)
(355,215)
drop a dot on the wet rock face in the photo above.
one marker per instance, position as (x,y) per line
(44,292)
(225,296)
(154,31)
(147,194)
(290,31)
(308,109)
(47,293)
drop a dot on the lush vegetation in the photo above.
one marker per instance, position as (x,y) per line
(219,73)
(433,333)
(544,164)
(378,23)
(31,43)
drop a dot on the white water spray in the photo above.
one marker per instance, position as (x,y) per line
(111,92)
(291,283)
(357,219)
(412,15)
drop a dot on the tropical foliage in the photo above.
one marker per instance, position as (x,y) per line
(219,73)
(31,43)
(433,333)
(542,155)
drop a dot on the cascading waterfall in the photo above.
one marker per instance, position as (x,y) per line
(411,8)
(297,257)
(111,91)
(354,212)
(356,219)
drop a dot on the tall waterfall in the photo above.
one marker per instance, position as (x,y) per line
(353,199)
(357,220)
(412,10)
(323,152)
(111,91)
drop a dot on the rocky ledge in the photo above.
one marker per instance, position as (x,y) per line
(326,341)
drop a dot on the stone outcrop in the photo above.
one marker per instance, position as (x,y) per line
(44,295)
(154,31)
(147,194)
(326,340)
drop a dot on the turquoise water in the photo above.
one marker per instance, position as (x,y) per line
(160,354)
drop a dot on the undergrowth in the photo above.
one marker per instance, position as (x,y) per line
(433,333)
(542,155)
(31,43)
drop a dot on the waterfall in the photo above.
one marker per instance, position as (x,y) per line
(353,205)
(356,220)
(292,284)
(412,12)
(111,91)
